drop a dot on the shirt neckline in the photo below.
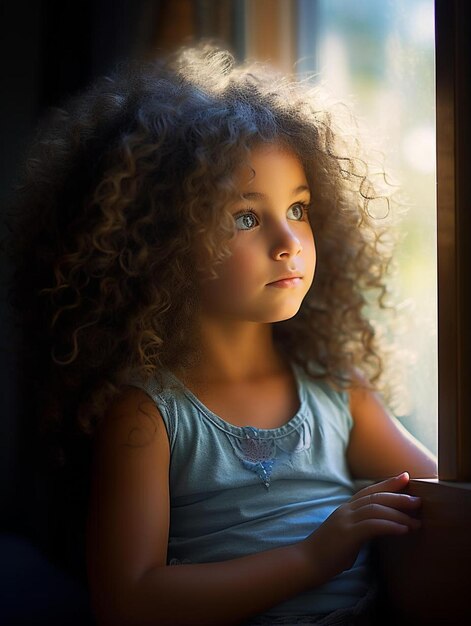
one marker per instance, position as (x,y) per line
(241,431)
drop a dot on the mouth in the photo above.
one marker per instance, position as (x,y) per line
(286,282)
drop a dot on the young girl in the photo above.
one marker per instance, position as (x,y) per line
(167,241)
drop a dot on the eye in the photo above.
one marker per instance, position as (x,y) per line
(297,211)
(246,221)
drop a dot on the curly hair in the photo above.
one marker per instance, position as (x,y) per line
(124,179)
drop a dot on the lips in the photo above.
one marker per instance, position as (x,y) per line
(285,277)
(289,280)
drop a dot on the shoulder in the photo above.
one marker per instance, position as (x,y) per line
(366,404)
(359,392)
(329,404)
(317,379)
(132,420)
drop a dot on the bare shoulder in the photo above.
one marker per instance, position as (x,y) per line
(132,419)
(128,517)
(360,391)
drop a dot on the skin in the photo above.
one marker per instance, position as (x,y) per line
(240,373)
(274,239)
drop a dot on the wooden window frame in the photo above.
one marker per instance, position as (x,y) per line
(453,222)
(425,575)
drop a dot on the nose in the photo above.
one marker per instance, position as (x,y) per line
(286,243)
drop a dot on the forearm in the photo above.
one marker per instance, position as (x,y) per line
(226,592)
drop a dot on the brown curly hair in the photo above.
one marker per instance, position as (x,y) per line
(125,178)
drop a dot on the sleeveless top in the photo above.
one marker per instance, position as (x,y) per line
(239,490)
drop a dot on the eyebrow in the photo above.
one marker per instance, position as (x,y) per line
(256,195)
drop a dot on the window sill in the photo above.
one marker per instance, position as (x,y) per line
(425,575)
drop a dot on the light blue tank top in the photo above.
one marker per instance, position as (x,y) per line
(240,490)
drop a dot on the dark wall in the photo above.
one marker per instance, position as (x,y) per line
(52,49)
(49,51)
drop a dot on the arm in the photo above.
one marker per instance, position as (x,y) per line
(127,537)
(379,445)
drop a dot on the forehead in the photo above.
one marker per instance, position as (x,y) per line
(270,165)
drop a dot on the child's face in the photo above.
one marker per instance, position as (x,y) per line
(273,255)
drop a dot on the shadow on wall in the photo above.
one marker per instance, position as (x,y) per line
(49,53)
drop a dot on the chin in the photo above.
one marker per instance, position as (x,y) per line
(287,314)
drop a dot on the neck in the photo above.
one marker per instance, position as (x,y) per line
(234,351)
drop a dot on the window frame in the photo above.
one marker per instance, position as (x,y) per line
(424,575)
(453,222)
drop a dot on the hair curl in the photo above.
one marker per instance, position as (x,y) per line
(125,178)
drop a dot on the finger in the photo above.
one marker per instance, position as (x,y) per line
(380,512)
(395,483)
(368,529)
(394,500)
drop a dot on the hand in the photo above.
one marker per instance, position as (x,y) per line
(371,512)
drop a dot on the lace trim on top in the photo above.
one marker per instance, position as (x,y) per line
(260,449)
(260,455)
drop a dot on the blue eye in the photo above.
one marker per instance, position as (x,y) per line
(297,211)
(246,221)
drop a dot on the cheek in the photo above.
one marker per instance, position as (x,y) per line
(233,279)
(238,269)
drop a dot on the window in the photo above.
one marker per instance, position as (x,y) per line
(379,58)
